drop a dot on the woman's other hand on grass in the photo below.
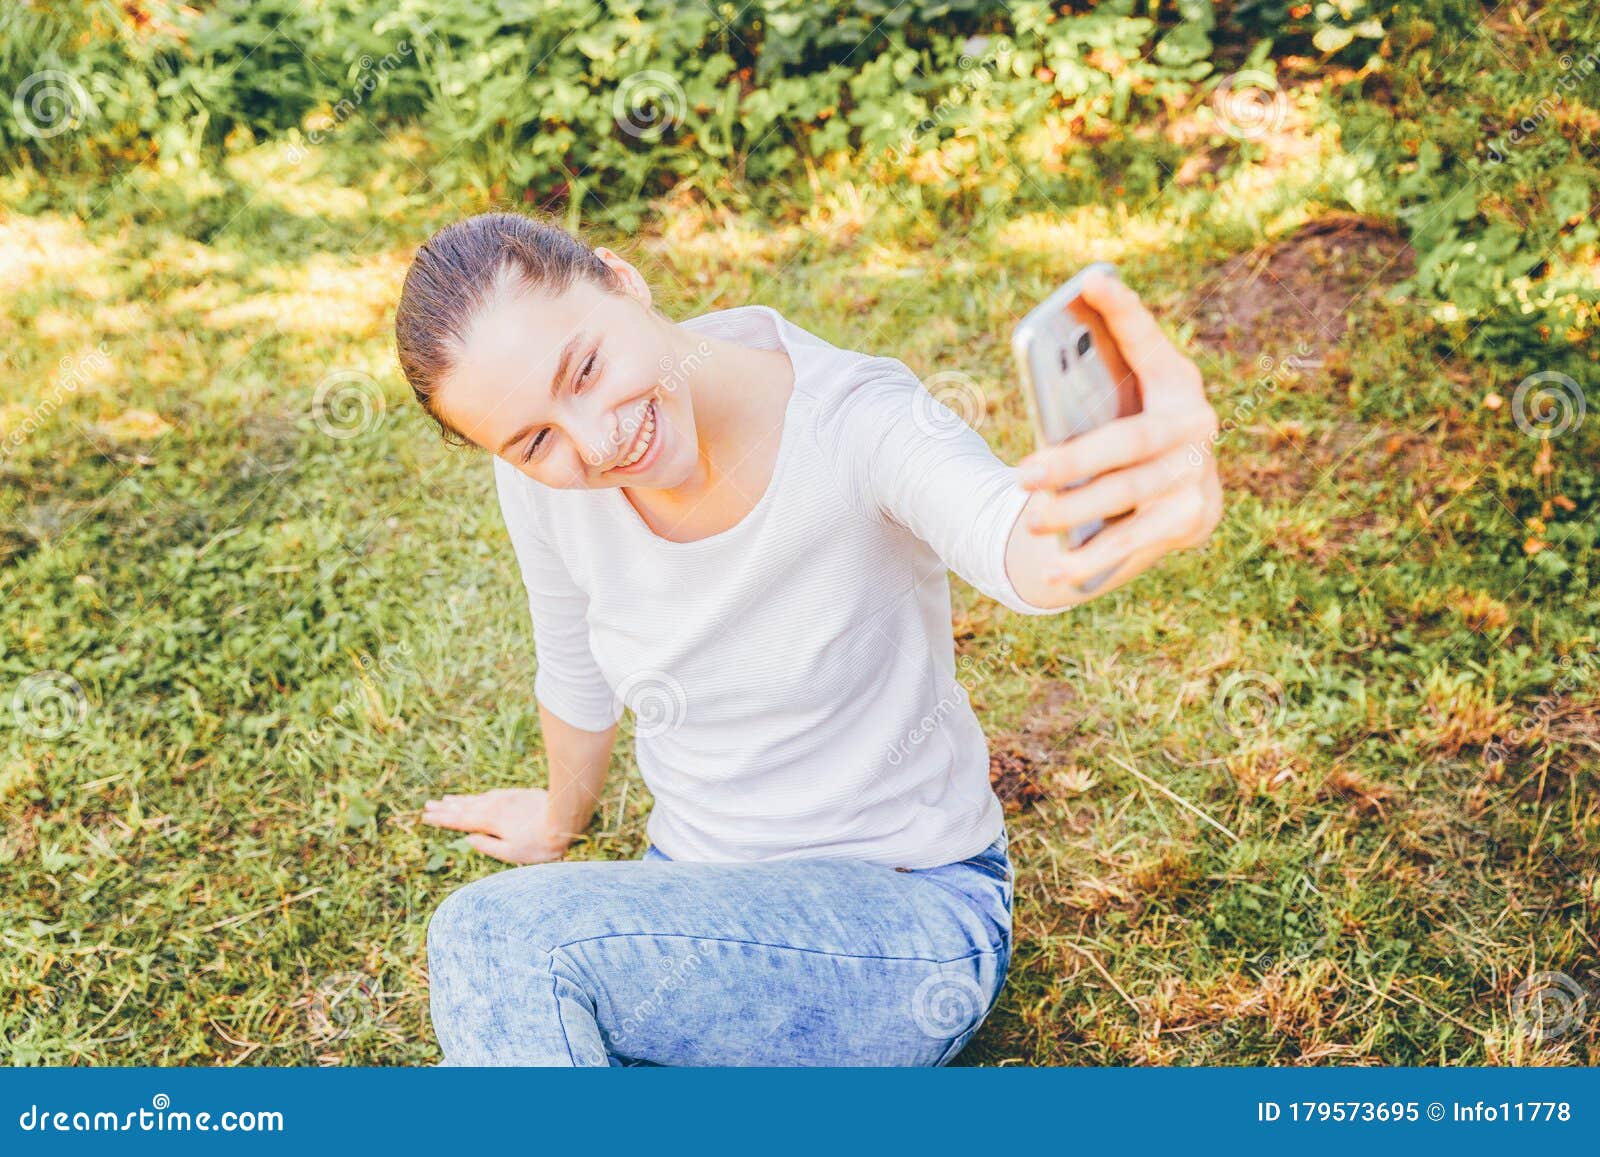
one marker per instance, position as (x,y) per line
(1155,467)
(510,824)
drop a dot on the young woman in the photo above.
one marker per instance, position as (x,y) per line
(742,532)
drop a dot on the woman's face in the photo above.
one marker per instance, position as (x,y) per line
(584,390)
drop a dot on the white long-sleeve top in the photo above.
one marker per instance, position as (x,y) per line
(793,677)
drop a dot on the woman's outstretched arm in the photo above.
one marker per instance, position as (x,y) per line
(901,454)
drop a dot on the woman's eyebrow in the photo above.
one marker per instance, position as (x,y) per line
(568,352)
(563,364)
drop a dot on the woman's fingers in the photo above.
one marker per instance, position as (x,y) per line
(1152,357)
(1110,494)
(1132,544)
(462,813)
(1174,407)
(1120,443)
(492,846)
(1153,466)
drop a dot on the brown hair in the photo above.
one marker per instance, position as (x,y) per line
(455,274)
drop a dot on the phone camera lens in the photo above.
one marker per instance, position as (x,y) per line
(1083,344)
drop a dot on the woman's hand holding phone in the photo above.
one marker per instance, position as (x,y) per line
(1154,467)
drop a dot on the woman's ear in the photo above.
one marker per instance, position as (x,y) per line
(633,281)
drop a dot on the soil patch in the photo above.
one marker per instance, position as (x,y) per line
(1302,287)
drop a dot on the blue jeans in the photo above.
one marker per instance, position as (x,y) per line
(655,961)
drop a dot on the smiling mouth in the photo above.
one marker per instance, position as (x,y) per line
(644,439)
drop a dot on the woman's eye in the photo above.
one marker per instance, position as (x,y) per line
(533,445)
(583,374)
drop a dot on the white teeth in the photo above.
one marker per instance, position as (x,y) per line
(647,434)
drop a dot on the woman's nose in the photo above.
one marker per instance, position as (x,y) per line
(597,429)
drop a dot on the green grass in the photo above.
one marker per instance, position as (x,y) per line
(286,640)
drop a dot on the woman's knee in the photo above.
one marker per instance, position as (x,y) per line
(460,919)
(497,991)
(534,907)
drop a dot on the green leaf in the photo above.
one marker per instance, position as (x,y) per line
(1330,39)
(359,811)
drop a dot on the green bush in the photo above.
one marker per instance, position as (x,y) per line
(601,106)
(623,100)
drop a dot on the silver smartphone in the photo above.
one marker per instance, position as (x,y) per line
(1073,376)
